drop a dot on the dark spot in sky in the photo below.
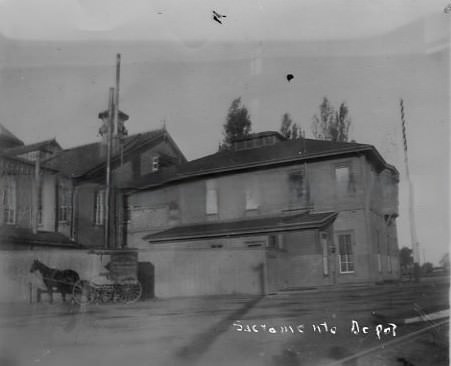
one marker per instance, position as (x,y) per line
(217,17)
(160,12)
(290,77)
(447,10)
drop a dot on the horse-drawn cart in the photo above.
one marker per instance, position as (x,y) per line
(116,279)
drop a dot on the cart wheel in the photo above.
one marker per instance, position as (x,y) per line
(83,292)
(130,293)
(106,295)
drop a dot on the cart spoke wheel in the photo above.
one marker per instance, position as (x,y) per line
(106,294)
(130,293)
(83,292)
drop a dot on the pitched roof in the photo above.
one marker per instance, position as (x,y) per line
(33,147)
(8,137)
(79,160)
(17,162)
(244,227)
(26,237)
(283,152)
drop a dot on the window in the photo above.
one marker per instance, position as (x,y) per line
(275,242)
(272,242)
(254,244)
(297,185)
(252,201)
(40,195)
(99,208)
(9,201)
(155,163)
(378,248)
(345,253)
(323,239)
(269,140)
(249,144)
(64,203)
(344,180)
(212,198)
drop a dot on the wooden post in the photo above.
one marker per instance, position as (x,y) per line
(37,188)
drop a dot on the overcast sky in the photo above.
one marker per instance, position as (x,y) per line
(179,66)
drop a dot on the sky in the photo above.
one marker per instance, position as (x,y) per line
(181,68)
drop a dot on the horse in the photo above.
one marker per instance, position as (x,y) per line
(55,279)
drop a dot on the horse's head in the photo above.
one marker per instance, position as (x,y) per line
(35,265)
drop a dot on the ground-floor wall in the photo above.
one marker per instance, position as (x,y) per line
(196,270)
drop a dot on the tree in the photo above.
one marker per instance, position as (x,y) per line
(286,126)
(238,124)
(427,267)
(405,258)
(331,124)
(444,262)
(289,129)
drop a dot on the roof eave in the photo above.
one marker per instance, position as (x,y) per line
(307,156)
(249,231)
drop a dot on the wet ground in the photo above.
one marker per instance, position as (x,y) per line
(354,326)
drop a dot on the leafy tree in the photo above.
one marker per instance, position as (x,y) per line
(286,126)
(405,258)
(238,124)
(331,124)
(289,129)
(444,262)
(427,267)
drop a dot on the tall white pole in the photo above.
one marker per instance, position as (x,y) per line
(413,234)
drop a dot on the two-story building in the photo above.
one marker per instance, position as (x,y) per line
(269,214)
(66,204)
(28,195)
(81,207)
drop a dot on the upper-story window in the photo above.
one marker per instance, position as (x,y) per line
(212,197)
(64,203)
(345,254)
(99,207)
(9,201)
(40,204)
(155,163)
(297,185)
(344,180)
(252,196)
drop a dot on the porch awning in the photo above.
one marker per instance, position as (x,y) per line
(22,238)
(242,227)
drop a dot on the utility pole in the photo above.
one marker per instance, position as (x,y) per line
(413,234)
(107,200)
